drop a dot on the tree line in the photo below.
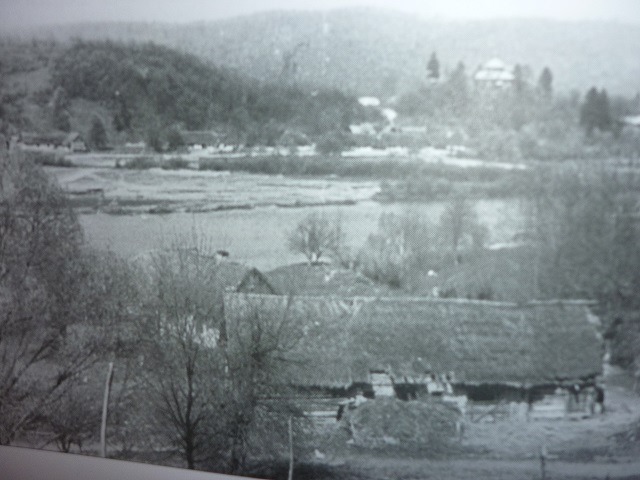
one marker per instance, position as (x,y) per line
(153,91)
(522,119)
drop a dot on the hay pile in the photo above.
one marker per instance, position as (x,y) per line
(410,426)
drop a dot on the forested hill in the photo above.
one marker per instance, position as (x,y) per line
(371,51)
(144,89)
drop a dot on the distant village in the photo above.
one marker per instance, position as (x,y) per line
(390,136)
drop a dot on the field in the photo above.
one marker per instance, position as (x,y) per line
(250,215)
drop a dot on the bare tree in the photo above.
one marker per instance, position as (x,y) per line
(315,236)
(257,355)
(183,368)
(205,389)
(402,244)
(458,221)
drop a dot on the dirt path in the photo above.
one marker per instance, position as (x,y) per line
(563,438)
(577,448)
(376,468)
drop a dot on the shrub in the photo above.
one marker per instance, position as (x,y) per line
(141,163)
(50,159)
(428,427)
(175,163)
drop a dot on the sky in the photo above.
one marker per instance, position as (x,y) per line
(21,13)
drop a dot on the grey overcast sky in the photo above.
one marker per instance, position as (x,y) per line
(18,13)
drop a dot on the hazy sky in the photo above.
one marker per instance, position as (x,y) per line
(18,13)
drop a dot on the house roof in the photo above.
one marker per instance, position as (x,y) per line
(633,120)
(339,341)
(200,137)
(322,279)
(54,138)
(495,70)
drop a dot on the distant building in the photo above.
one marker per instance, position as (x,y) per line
(72,141)
(369,101)
(133,148)
(366,128)
(494,74)
(197,140)
(630,121)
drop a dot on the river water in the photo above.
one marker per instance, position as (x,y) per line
(258,236)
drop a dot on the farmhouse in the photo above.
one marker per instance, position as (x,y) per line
(493,74)
(484,351)
(197,140)
(49,141)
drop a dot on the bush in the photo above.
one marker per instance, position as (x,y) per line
(49,159)
(141,163)
(175,163)
(428,427)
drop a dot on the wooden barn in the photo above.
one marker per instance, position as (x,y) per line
(487,352)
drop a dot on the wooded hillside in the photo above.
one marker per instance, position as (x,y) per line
(371,51)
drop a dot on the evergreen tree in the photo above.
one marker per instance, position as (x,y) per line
(97,134)
(518,80)
(604,109)
(545,82)
(60,105)
(122,117)
(433,68)
(174,139)
(595,111)
(457,89)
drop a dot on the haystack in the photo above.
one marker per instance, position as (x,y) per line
(413,426)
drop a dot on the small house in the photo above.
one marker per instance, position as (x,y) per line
(72,141)
(197,140)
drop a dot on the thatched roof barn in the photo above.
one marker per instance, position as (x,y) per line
(337,342)
(322,280)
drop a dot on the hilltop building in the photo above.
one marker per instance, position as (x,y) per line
(494,74)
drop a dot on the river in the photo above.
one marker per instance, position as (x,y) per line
(258,236)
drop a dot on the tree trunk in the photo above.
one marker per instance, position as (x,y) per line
(103,425)
(290,477)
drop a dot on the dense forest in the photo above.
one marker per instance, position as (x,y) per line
(146,91)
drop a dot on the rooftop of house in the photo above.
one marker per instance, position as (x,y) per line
(200,137)
(494,70)
(322,279)
(52,138)
(339,341)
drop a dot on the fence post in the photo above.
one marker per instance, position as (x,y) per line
(105,402)
(290,477)
(543,461)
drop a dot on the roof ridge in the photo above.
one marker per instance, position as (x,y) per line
(456,301)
